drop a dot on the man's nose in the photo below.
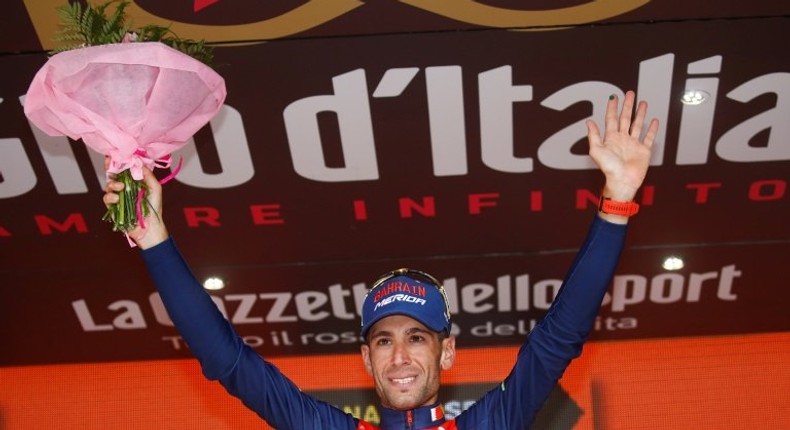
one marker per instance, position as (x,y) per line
(401,354)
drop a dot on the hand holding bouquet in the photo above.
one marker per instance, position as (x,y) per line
(134,96)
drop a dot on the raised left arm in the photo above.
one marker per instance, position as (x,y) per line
(622,154)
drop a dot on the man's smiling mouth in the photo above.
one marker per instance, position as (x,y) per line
(403,381)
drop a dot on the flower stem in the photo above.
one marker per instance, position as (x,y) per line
(123,215)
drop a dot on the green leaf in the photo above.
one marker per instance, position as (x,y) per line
(91,26)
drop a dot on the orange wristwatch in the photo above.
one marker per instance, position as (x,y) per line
(612,207)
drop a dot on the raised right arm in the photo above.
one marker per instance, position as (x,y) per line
(212,339)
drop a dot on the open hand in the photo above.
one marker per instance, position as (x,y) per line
(622,155)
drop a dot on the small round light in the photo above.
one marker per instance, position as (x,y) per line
(672,263)
(213,283)
(694,97)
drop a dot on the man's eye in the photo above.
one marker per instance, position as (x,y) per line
(416,338)
(383,341)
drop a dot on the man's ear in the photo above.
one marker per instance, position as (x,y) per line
(448,353)
(365,350)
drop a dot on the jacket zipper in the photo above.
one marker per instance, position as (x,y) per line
(409,419)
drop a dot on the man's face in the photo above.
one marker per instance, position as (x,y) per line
(405,359)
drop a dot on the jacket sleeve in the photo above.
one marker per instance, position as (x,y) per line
(225,357)
(556,340)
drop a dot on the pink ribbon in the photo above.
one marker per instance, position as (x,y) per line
(163,162)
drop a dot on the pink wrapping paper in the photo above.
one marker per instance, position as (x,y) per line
(135,102)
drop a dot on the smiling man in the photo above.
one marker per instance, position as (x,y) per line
(406,327)
(406,318)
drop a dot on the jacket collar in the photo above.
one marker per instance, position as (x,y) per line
(419,418)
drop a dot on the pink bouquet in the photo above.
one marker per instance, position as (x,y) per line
(135,102)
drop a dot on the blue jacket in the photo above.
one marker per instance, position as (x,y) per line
(513,404)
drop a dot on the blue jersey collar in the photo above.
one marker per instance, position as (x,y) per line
(419,418)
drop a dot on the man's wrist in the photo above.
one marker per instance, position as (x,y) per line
(610,206)
(616,192)
(150,237)
(619,193)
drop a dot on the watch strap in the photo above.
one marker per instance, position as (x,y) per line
(614,207)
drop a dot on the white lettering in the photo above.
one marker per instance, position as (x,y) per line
(473,296)
(130,317)
(233,151)
(241,316)
(281,300)
(556,151)
(497,95)
(350,103)
(545,292)
(307,302)
(18,176)
(628,290)
(399,298)
(735,145)
(444,88)
(696,123)
(337,297)
(655,87)
(86,319)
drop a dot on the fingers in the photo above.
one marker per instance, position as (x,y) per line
(110,199)
(150,180)
(624,123)
(111,192)
(610,122)
(625,114)
(636,126)
(114,187)
(652,131)
(593,134)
